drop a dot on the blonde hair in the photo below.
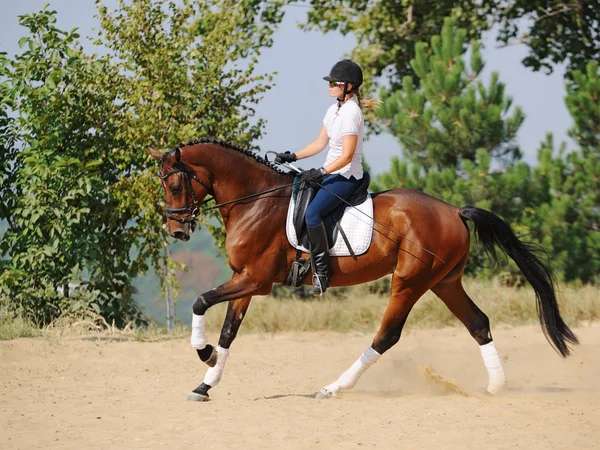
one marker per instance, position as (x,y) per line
(365,103)
(369,103)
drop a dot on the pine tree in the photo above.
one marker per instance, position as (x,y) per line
(583,102)
(554,204)
(453,114)
(565,217)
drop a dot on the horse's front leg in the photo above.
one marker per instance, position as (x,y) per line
(240,288)
(236,311)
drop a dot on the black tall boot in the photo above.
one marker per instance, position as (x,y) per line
(319,256)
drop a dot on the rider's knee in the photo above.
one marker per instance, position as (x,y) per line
(312,217)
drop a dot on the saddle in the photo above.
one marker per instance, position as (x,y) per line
(353,223)
(304,193)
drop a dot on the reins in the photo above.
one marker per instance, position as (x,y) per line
(246,197)
(193,211)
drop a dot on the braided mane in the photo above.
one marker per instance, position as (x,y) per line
(256,157)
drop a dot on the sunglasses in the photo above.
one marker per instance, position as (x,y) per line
(333,84)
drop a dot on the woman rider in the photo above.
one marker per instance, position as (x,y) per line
(343,130)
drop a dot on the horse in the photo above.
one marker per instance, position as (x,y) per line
(420,240)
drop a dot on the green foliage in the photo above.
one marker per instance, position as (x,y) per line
(453,115)
(60,214)
(566,221)
(178,79)
(583,102)
(565,216)
(555,204)
(558,32)
(386,31)
(78,188)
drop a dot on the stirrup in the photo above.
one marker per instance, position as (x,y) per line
(319,286)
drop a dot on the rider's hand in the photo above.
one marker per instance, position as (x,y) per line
(312,174)
(286,157)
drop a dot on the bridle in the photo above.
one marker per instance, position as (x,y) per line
(193,210)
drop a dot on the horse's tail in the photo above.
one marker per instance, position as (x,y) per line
(492,230)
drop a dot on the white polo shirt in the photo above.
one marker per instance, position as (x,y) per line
(339,122)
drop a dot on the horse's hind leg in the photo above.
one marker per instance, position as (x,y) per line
(456,299)
(236,310)
(402,299)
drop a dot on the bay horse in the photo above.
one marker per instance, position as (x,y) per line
(422,241)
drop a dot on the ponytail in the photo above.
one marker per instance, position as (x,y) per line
(367,103)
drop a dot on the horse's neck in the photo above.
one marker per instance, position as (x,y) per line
(235,175)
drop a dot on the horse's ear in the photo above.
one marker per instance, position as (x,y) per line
(177,154)
(154,153)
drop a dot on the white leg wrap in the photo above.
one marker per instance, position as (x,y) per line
(348,379)
(214,374)
(493,364)
(198,339)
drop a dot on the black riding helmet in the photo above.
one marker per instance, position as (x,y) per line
(347,71)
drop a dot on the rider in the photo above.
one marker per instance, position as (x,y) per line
(343,130)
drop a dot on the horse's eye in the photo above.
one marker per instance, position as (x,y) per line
(175,189)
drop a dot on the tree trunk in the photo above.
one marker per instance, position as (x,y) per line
(169,292)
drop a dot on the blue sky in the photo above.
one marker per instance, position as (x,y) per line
(294,108)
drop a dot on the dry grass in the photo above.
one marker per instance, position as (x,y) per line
(363,312)
(357,310)
(96,327)
(13,328)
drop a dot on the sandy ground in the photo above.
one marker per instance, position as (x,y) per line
(73,393)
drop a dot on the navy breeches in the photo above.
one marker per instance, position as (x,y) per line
(325,202)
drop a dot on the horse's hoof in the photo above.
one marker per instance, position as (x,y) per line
(195,397)
(325,394)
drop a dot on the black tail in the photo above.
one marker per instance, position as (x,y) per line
(492,230)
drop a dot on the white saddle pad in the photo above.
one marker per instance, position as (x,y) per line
(358,226)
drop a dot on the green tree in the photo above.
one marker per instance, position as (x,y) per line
(452,115)
(583,102)
(185,70)
(567,219)
(386,31)
(61,226)
(81,191)
(457,134)
(555,32)
(554,204)
(6,141)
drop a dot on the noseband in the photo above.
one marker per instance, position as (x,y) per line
(193,210)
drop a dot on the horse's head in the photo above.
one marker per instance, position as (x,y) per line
(183,196)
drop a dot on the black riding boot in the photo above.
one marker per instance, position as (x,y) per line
(319,255)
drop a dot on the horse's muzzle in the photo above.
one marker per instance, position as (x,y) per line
(181,231)
(181,235)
